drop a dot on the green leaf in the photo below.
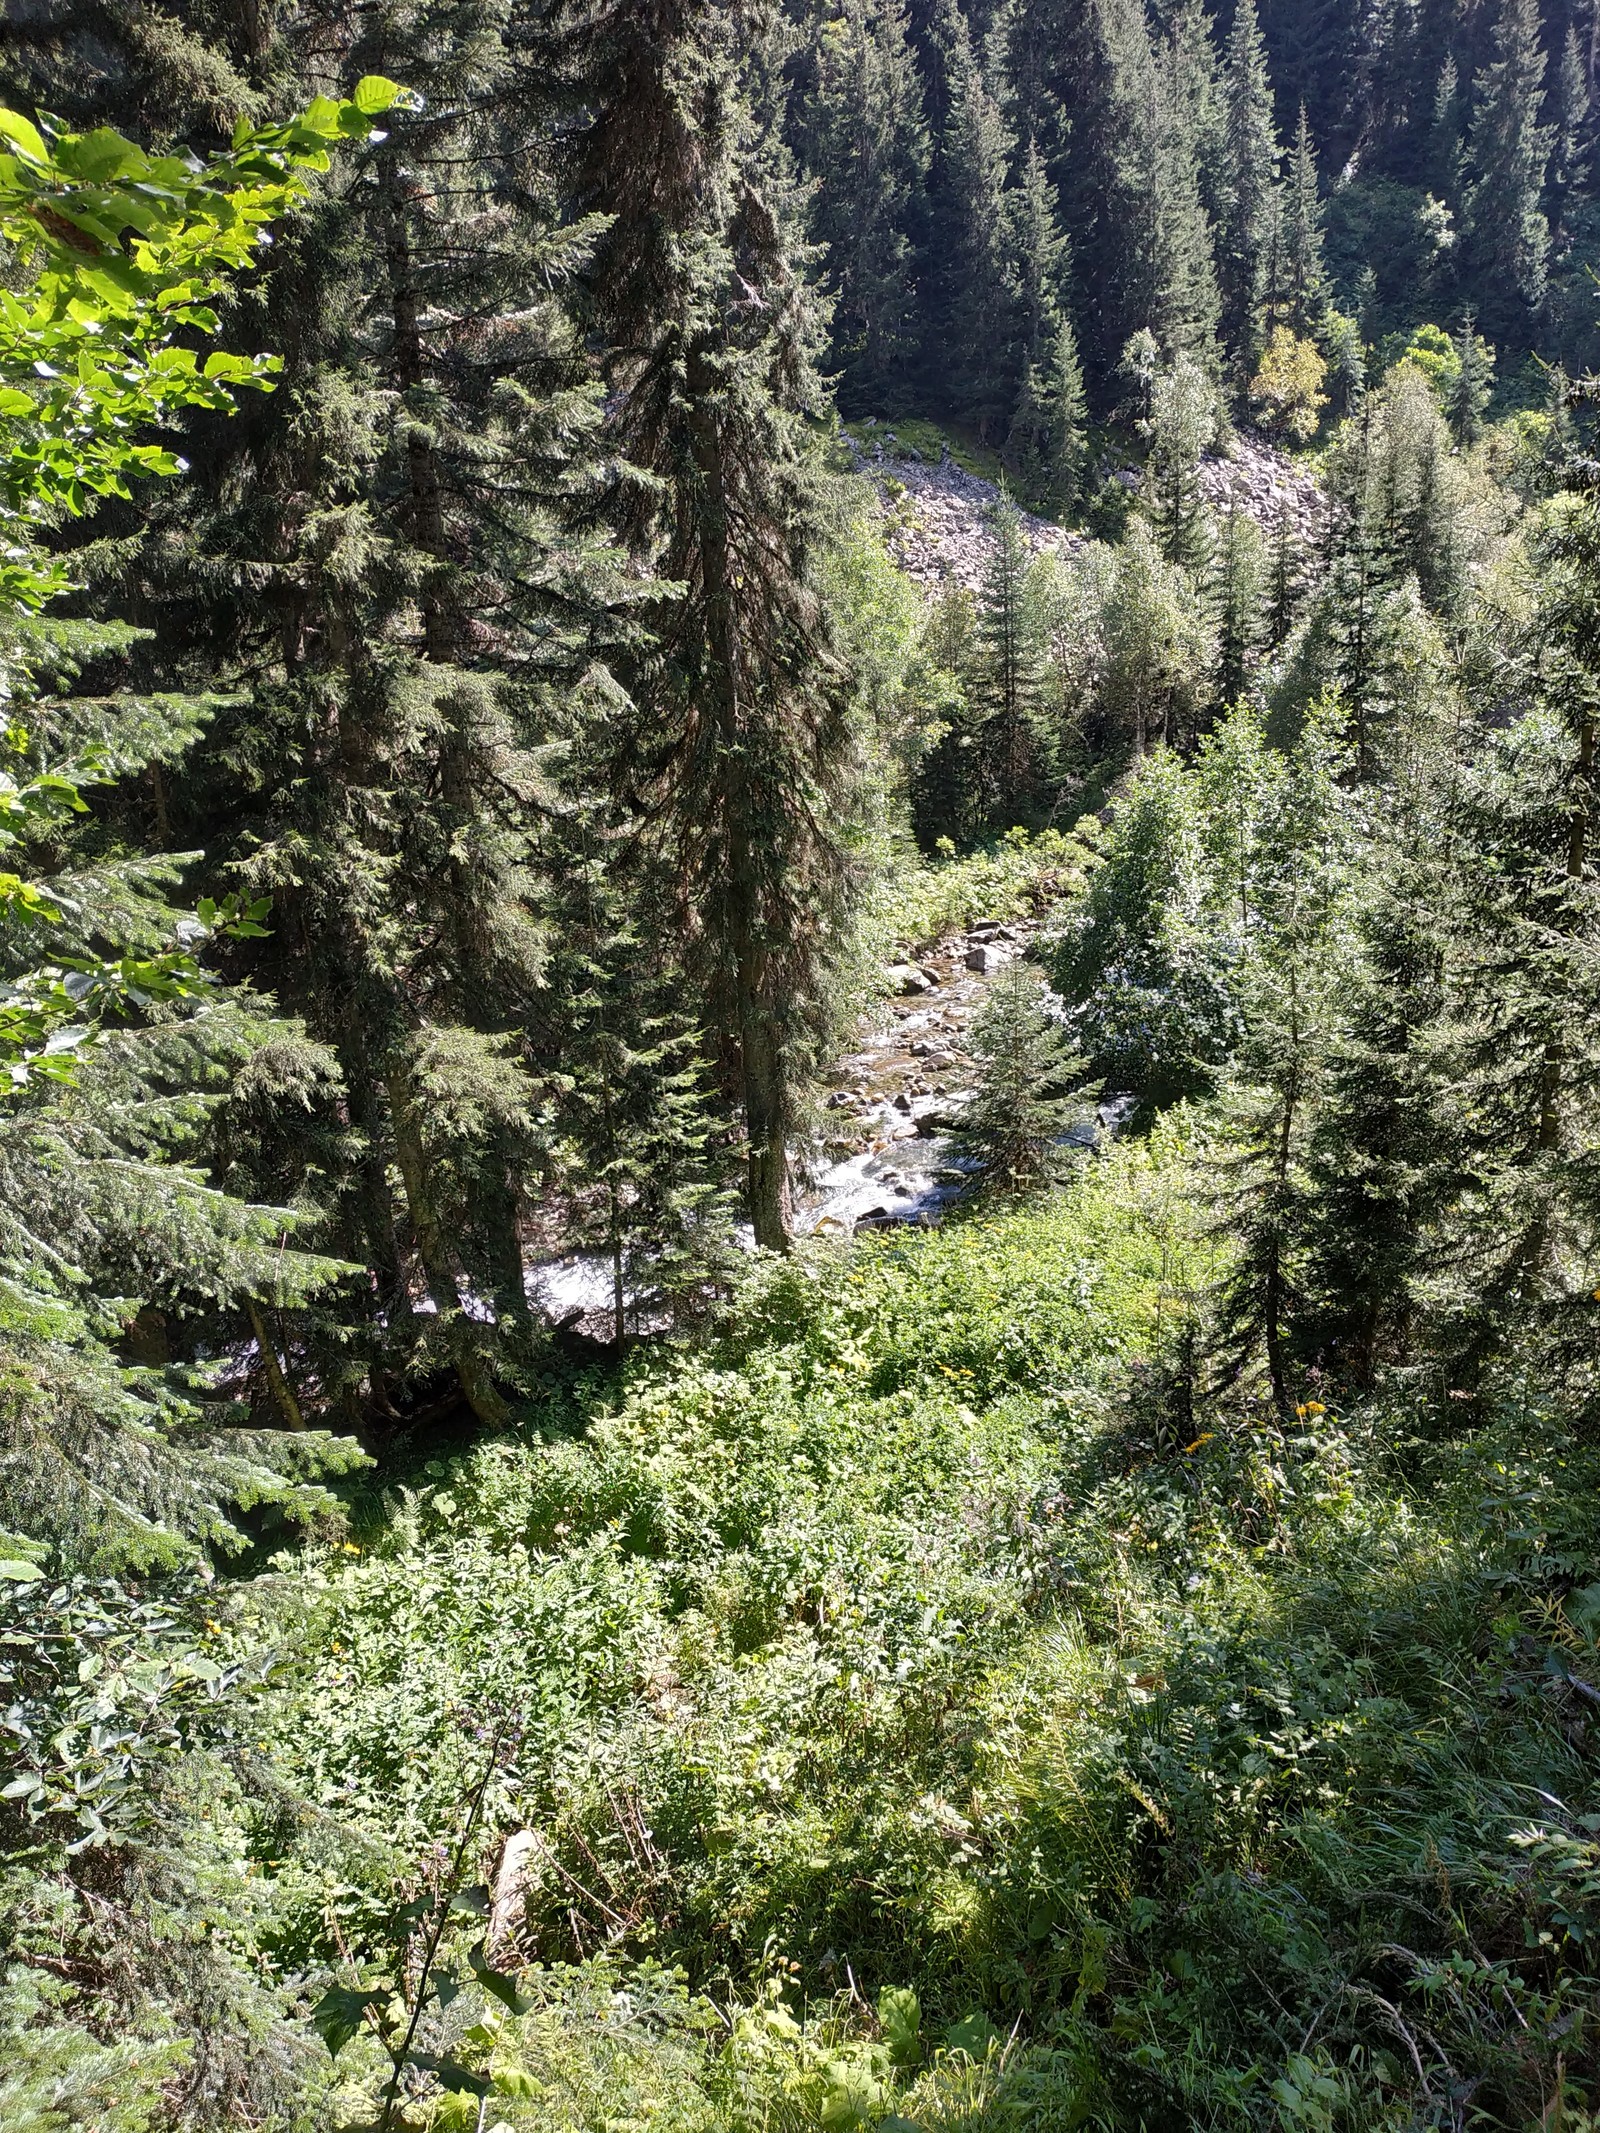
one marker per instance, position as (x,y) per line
(340,2013)
(17,130)
(494,1982)
(374,93)
(974,2035)
(20,1573)
(900,2017)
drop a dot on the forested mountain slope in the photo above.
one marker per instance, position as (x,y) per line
(554,553)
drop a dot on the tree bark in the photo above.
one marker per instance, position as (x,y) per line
(278,1384)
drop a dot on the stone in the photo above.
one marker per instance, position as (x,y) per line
(875,1218)
(908,980)
(983,959)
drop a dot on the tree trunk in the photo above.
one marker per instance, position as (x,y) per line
(278,1384)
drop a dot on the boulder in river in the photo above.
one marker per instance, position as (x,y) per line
(908,980)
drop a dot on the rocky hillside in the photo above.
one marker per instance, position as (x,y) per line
(936,512)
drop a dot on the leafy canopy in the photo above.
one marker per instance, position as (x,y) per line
(127,252)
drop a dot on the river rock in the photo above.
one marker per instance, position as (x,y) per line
(908,980)
(983,958)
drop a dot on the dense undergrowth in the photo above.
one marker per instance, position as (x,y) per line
(922,1718)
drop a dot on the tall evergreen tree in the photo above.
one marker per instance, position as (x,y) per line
(1249,251)
(1174,265)
(1045,443)
(1509,150)
(1445,163)
(635,1156)
(978,351)
(1007,684)
(740,760)
(1569,139)
(1471,386)
(1130,191)
(1293,974)
(386,551)
(867,144)
(1238,587)
(1305,276)
(1384,1158)
(1016,1123)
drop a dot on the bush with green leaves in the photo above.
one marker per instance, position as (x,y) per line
(917,1639)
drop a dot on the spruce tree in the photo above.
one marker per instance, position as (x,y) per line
(1512,1268)
(985,328)
(1294,969)
(1181,425)
(1570,141)
(1007,682)
(1305,278)
(740,756)
(1127,176)
(389,553)
(1248,257)
(634,1131)
(1238,586)
(1190,61)
(1471,385)
(1508,236)
(131,1281)
(1384,1158)
(866,142)
(1016,1122)
(1174,268)
(1046,442)
(1445,165)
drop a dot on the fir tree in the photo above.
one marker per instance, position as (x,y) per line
(1471,385)
(1181,424)
(1305,282)
(1007,684)
(388,551)
(635,1132)
(983,330)
(1160,649)
(1176,274)
(1446,156)
(1570,139)
(1129,185)
(1016,1122)
(1045,445)
(1509,237)
(1291,982)
(740,757)
(121,1261)
(1196,87)
(867,143)
(1238,585)
(1383,1159)
(1248,253)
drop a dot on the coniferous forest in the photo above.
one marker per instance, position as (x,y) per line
(800,1066)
